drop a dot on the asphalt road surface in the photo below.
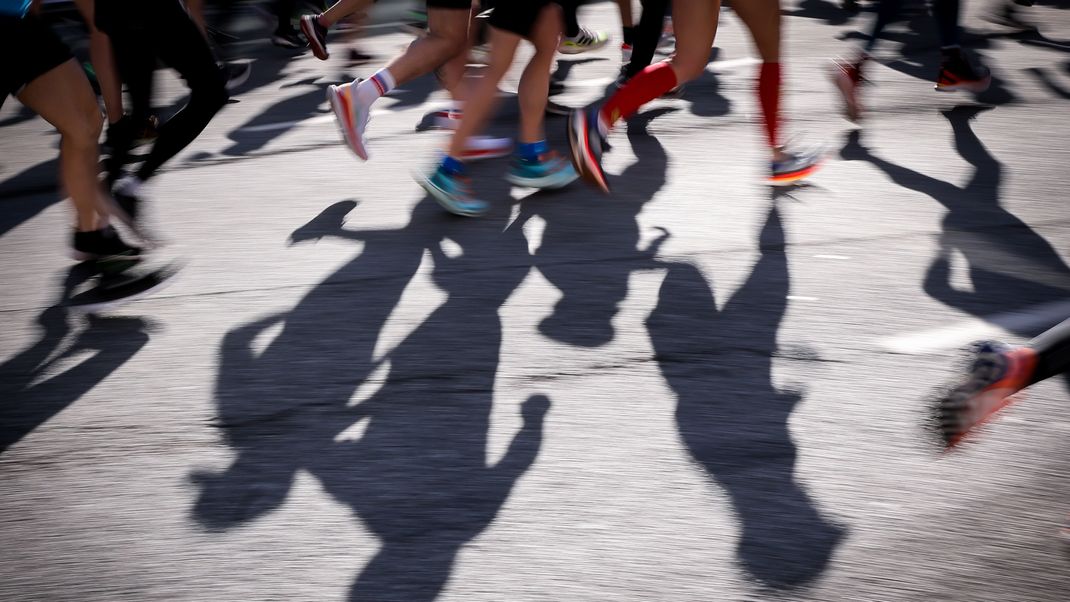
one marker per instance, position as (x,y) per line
(692,389)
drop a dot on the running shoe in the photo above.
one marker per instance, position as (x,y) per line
(585,143)
(957,72)
(848,79)
(103,244)
(996,372)
(584,41)
(287,38)
(625,53)
(453,193)
(486,147)
(235,74)
(316,35)
(548,171)
(446,119)
(798,165)
(352,117)
(124,203)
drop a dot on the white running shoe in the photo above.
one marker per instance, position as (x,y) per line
(352,117)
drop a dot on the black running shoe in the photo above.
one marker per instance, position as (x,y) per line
(287,38)
(316,35)
(103,244)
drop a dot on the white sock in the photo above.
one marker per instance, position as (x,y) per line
(375,86)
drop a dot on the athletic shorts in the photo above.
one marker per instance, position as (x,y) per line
(516,16)
(449,4)
(28,50)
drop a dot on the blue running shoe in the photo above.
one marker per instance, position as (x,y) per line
(548,171)
(453,193)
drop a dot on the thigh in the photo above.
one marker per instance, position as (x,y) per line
(63,97)
(694,23)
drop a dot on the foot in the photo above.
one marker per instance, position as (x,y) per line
(453,193)
(101,245)
(995,373)
(316,35)
(958,72)
(486,147)
(352,117)
(548,171)
(625,53)
(790,166)
(287,38)
(446,119)
(585,142)
(848,80)
(584,41)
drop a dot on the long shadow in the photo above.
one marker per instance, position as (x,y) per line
(1008,263)
(1056,88)
(400,437)
(293,108)
(732,419)
(593,287)
(37,182)
(27,401)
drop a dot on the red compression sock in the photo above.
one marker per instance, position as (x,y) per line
(647,85)
(769,97)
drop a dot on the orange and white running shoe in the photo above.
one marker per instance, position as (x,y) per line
(995,373)
(352,116)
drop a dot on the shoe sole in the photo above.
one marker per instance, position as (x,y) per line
(1007,390)
(976,87)
(543,183)
(343,114)
(443,199)
(308,29)
(579,49)
(582,158)
(793,177)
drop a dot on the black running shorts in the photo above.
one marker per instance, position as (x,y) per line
(28,50)
(516,16)
(467,4)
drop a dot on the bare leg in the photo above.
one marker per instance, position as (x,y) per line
(64,98)
(340,10)
(695,24)
(762,18)
(447,36)
(503,46)
(535,81)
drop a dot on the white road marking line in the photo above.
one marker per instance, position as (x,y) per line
(801,298)
(951,337)
(841,257)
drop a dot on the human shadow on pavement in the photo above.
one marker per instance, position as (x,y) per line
(252,135)
(1050,83)
(398,435)
(19,194)
(30,394)
(732,418)
(1009,264)
(591,264)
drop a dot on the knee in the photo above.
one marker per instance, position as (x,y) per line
(84,131)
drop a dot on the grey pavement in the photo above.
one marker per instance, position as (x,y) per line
(692,389)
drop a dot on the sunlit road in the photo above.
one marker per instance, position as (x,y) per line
(691,389)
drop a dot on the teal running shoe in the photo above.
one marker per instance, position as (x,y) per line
(453,193)
(548,171)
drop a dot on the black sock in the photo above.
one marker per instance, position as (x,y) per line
(629,35)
